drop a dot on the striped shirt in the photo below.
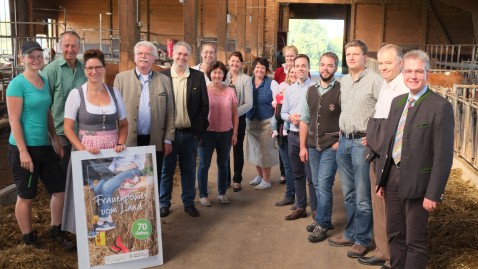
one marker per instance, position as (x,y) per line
(358,100)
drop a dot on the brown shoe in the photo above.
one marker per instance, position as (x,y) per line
(357,251)
(298,213)
(340,241)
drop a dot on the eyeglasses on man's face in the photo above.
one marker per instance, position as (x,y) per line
(96,68)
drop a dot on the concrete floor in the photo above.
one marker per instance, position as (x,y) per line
(248,233)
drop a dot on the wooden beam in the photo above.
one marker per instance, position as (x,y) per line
(352,21)
(382,25)
(261,27)
(241,26)
(253,10)
(424,26)
(129,33)
(434,15)
(190,8)
(221,30)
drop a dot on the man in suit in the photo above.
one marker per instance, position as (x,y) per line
(417,162)
(389,59)
(149,103)
(191,122)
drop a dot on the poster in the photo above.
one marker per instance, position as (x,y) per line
(117,208)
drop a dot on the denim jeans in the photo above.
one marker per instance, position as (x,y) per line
(221,141)
(289,176)
(185,150)
(106,187)
(323,166)
(355,180)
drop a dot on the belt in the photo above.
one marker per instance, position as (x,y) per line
(183,130)
(293,132)
(353,135)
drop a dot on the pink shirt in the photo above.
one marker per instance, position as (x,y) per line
(220,110)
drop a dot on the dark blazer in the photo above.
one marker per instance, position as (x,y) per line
(197,102)
(427,147)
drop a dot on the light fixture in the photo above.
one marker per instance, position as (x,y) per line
(228,18)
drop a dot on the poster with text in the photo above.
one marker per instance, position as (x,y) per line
(116,201)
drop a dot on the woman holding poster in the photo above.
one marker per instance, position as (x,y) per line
(99,111)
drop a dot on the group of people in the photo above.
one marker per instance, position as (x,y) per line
(367,126)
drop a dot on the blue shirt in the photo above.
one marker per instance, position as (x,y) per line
(144,112)
(261,101)
(294,100)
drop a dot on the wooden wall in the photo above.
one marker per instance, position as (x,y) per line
(254,23)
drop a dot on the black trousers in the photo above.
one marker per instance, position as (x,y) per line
(238,153)
(406,226)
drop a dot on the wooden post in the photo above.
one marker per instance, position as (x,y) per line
(190,8)
(221,30)
(424,26)
(382,25)
(352,21)
(261,8)
(129,33)
(254,31)
(241,26)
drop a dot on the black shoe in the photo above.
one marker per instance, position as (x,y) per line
(164,212)
(31,238)
(192,211)
(371,261)
(285,201)
(59,236)
(318,234)
(385,267)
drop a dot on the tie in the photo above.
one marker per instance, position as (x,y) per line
(397,146)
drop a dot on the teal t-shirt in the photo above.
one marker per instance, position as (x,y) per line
(36,103)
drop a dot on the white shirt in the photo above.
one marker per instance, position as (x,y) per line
(389,91)
(72,105)
(204,71)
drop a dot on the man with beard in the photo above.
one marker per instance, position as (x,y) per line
(149,103)
(319,129)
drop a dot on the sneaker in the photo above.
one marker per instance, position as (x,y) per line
(223,199)
(263,185)
(318,234)
(285,201)
(357,251)
(311,227)
(256,180)
(340,241)
(205,202)
(106,226)
(92,234)
(31,238)
(56,234)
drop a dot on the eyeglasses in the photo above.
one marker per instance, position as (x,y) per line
(97,68)
(418,72)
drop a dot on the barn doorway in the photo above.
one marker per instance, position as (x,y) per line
(314,28)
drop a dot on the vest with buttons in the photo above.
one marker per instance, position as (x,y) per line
(324,117)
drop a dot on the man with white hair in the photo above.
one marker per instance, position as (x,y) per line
(149,103)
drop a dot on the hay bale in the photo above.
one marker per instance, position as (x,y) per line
(453,227)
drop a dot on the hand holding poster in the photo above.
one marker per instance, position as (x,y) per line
(117,209)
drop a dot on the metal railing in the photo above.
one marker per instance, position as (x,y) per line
(464,99)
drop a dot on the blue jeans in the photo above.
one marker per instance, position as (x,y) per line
(185,150)
(105,188)
(323,165)
(355,179)
(289,176)
(221,141)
